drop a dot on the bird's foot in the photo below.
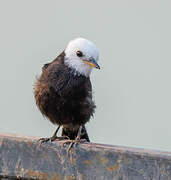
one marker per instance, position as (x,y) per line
(72,142)
(75,142)
(53,138)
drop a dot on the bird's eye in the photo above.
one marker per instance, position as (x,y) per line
(46,65)
(79,53)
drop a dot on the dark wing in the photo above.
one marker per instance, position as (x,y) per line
(41,87)
(58,59)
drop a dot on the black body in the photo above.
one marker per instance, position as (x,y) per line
(64,97)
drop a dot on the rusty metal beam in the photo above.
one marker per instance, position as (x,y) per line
(24,158)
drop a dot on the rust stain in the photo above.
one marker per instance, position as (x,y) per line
(69,177)
(37,174)
(87,162)
(112,168)
(126,160)
(56,177)
(72,160)
(102,160)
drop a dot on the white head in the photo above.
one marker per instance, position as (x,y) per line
(81,55)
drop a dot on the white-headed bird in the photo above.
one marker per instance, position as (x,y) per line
(63,92)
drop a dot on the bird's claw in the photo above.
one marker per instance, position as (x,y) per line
(53,138)
(72,143)
(43,140)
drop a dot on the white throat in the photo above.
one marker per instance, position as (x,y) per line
(79,67)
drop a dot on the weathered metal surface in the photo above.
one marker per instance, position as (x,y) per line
(25,158)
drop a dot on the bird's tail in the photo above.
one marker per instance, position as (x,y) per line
(73,134)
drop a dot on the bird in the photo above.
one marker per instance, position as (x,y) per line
(63,91)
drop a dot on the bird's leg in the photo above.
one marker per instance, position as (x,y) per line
(77,139)
(73,141)
(54,137)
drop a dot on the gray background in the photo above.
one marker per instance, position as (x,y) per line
(133,88)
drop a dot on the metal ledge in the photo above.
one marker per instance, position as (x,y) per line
(23,157)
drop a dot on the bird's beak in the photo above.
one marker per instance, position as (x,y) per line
(92,63)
